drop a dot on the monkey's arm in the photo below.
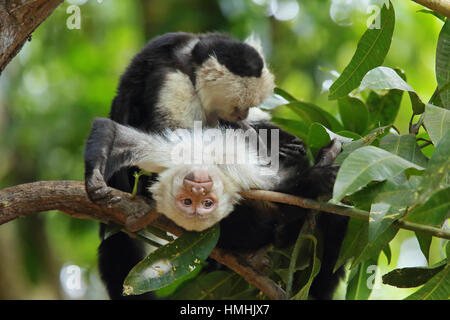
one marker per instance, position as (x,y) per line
(111,146)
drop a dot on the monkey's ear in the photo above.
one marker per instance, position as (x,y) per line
(254,41)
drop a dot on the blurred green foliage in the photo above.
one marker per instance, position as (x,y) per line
(63,78)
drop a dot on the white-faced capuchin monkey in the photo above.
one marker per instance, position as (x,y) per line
(196,196)
(176,79)
(194,192)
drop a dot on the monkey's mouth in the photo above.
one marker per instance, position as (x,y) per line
(238,114)
(196,215)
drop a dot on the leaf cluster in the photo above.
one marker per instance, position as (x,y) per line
(382,171)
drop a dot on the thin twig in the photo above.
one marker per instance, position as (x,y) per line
(440,6)
(341,210)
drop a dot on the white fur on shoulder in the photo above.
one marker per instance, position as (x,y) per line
(178,98)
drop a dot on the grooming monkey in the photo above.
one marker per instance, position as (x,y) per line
(176,79)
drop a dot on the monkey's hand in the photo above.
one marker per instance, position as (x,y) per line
(328,154)
(97,190)
(96,158)
(292,152)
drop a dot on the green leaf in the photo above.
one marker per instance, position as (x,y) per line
(307,276)
(358,288)
(354,114)
(318,137)
(434,211)
(354,242)
(367,164)
(170,289)
(434,13)
(370,53)
(273,101)
(295,127)
(305,249)
(171,262)
(443,63)
(382,215)
(284,94)
(384,78)
(388,254)
(412,277)
(383,109)
(437,288)
(373,248)
(311,113)
(215,285)
(447,252)
(365,141)
(404,146)
(348,134)
(356,246)
(437,122)
(436,176)
(424,243)
(389,191)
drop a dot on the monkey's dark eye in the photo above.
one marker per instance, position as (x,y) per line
(208,203)
(187,202)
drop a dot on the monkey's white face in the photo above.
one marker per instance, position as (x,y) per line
(194,197)
(228,95)
(225,105)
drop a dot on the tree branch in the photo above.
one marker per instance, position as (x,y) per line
(440,6)
(341,210)
(134,214)
(18,20)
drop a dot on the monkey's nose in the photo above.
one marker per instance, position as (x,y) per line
(198,182)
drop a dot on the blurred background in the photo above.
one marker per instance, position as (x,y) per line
(65,76)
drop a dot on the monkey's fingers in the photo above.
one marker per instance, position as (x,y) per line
(290,153)
(101,195)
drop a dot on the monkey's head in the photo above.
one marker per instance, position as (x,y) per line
(231,76)
(194,197)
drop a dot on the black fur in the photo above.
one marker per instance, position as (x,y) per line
(137,96)
(115,267)
(241,59)
(252,225)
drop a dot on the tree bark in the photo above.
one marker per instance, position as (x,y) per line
(134,214)
(18,20)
